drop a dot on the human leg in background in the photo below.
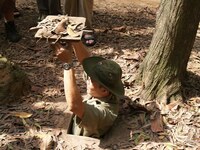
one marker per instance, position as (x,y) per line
(7,10)
(54,7)
(43,9)
(86,10)
(82,8)
(71,7)
(48,7)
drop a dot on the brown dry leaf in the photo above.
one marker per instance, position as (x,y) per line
(157,123)
(47,141)
(119,29)
(72,33)
(21,114)
(36,89)
(173,105)
(38,125)
(142,118)
(39,105)
(41,135)
(25,123)
(133,56)
(169,147)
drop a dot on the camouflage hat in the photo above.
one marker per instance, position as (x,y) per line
(105,72)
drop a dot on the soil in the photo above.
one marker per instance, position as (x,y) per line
(124,31)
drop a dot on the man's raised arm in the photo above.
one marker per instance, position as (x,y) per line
(80,50)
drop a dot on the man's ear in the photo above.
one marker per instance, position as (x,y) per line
(105,91)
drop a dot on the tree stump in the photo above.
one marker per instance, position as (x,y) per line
(13,82)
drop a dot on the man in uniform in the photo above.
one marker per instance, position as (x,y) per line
(93,116)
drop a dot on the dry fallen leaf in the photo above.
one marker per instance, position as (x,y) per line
(72,33)
(21,114)
(157,123)
(119,29)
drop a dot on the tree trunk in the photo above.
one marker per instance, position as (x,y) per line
(165,65)
(13,82)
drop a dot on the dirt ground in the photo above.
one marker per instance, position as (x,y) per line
(124,30)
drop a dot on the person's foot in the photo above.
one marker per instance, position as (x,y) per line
(11,32)
(88,38)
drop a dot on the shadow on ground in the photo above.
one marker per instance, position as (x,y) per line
(131,30)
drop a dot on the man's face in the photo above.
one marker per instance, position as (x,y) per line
(94,89)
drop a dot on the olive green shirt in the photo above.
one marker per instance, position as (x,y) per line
(98,117)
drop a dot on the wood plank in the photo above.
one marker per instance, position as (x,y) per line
(76,20)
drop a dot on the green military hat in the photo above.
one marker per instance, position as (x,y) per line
(105,72)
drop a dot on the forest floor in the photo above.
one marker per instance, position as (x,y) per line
(124,31)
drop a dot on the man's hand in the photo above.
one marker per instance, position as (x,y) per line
(64,54)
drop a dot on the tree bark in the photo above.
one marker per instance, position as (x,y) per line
(165,65)
(13,82)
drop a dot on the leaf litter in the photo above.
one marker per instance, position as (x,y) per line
(124,34)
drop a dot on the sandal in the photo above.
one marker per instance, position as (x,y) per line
(88,38)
